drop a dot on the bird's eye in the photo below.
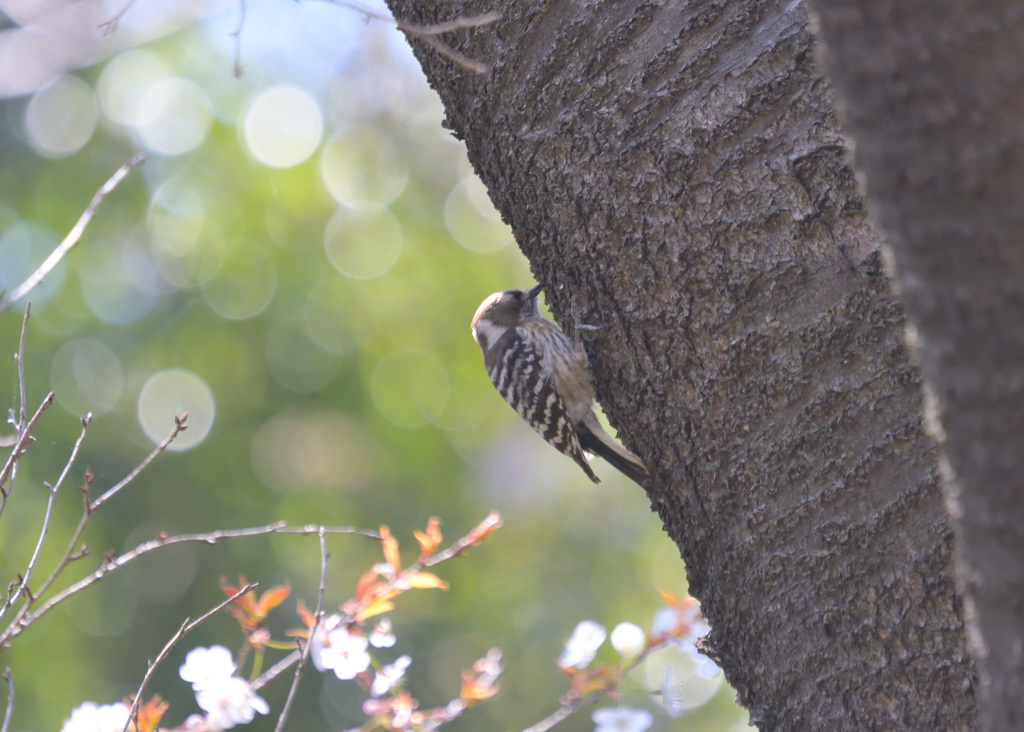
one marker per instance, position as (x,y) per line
(517,295)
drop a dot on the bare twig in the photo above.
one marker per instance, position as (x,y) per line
(490,522)
(21,366)
(180,425)
(20,423)
(23,584)
(475,21)
(237,35)
(10,701)
(75,234)
(461,59)
(569,707)
(276,670)
(24,440)
(185,628)
(25,618)
(429,33)
(300,667)
(109,26)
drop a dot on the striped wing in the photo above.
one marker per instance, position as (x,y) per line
(515,369)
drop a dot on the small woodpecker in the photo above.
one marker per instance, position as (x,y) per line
(543,375)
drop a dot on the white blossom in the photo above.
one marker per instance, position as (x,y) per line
(671,690)
(382,637)
(204,666)
(628,640)
(91,717)
(582,645)
(390,675)
(230,701)
(340,651)
(622,719)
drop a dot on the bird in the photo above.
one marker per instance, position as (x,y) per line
(544,376)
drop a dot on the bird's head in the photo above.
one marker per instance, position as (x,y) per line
(504,310)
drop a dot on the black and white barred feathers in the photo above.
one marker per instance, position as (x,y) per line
(544,376)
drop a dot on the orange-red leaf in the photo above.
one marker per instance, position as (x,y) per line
(474,691)
(390,546)
(431,538)
(364,585)
(272,598)
(150,714)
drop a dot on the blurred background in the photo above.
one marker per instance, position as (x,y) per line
(296,264)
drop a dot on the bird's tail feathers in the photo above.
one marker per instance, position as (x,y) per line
(599,442)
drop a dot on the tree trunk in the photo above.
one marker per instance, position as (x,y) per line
(936,101)
(675,174)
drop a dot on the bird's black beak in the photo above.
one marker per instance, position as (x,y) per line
(532,293)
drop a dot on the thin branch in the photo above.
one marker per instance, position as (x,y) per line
(27,618)
(237,35)
(569,707)
(491,521)
(461,59)
(180,426)
(276,670)
(312,632)
(429,33)
(24,440)
(21,365)
(186,627)
(10,701)
(475,21)
(109,26)
(23,584)
(74,235)
(21,425)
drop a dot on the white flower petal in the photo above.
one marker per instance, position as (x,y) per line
(206,665)
(92,717)
(622,719)
(628,640)
(582,645)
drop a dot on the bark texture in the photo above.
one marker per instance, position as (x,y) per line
(935,98)
(675,173)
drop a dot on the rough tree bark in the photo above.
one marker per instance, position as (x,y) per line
(675,173)
(935,97)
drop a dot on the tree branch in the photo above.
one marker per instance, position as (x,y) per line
(25,619)
(10,701)
(23,584)
(185,628)
(312,631)
(75,234)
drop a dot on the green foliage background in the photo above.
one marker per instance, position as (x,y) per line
(344,401)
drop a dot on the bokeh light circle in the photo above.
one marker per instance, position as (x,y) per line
(125,80)
(23,247)
(362,164)
(296,362)
(175,220)
(173,117)
(334,321)
(172,393)
(410,388)
(364,242)
(61,117)
(310,448)
(86,376)
(283,126)
(472,219)
(244,284)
